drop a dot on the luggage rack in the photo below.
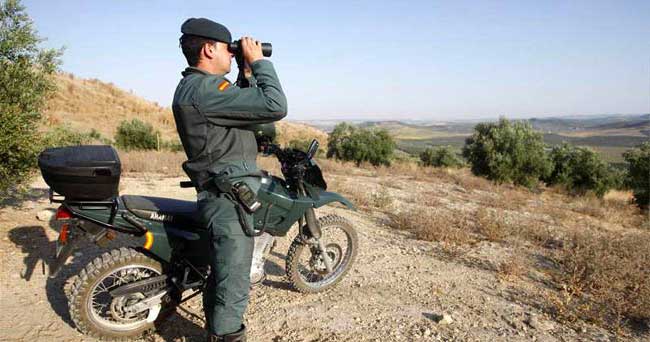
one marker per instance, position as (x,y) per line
(113,204)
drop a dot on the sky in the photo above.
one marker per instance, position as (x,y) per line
(382,60)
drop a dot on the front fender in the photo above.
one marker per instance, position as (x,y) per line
(327,197)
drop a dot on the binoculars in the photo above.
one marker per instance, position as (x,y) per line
(235,48)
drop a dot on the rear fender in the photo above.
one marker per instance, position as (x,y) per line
(64,252)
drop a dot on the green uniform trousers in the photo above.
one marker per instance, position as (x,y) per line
(226,297)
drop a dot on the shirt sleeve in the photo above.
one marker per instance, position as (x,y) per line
(228,105)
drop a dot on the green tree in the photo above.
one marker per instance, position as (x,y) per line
(507,152)
(442,156)
(136,135)
(350,143)
(579,170)
(25,85)
(639,173)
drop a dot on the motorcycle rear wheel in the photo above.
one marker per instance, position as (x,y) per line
(309,276)
(105,320)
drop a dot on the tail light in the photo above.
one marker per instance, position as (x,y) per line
(63,213)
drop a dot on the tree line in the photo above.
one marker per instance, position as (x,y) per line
(509,152)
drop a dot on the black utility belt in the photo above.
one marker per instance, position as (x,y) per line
(238,190)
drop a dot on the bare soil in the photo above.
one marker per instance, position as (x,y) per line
(400,288)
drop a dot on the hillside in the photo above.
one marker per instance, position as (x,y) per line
(92,104)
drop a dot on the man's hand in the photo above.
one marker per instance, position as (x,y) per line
(252,50)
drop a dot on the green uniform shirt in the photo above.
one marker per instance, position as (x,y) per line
(211,117)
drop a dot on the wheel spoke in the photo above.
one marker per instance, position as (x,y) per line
(108,310)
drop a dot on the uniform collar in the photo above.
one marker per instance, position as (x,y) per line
(192,70)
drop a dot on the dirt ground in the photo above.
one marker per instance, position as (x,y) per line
(400,289)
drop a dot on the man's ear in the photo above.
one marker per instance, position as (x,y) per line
(209,51)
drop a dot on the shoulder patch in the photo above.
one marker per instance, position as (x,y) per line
(223,85)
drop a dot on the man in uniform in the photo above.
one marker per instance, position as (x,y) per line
(211,117)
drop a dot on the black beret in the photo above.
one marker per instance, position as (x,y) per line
(206,28)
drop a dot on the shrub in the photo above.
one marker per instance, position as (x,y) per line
(442,156)
(506,151)
(639,173)
(136,135)
(360,145)
(579,170)
(341,132)
(65,136)
(25,84)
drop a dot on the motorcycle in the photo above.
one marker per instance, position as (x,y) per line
(121,293)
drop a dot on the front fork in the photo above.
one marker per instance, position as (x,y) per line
(313,226)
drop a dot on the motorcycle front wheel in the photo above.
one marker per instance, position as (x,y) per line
(305,266)
(95,312)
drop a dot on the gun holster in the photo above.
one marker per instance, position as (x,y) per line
(238,190)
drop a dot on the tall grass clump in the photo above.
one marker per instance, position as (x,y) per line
(507,152)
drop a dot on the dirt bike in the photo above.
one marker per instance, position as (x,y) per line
(121,293)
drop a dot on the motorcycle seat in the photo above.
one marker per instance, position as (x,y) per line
(161,209)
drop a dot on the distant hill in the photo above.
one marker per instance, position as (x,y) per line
(609,134)
(87,104)
(605,122)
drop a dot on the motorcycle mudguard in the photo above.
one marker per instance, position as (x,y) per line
(327,197)
(62,255)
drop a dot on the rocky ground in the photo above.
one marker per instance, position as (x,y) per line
(400,289)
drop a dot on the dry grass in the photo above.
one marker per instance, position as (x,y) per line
(430,225)
(604,279)
(164,162)
(511,268)
(358,196)
(381,199)
(615,209)
(288,131)
(492,225)
(92,104)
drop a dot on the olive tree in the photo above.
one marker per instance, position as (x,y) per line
(25,85)
(639,173)
(507,152)
(350,143)
(579,170)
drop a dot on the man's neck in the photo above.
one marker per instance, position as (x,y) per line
(208,68)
